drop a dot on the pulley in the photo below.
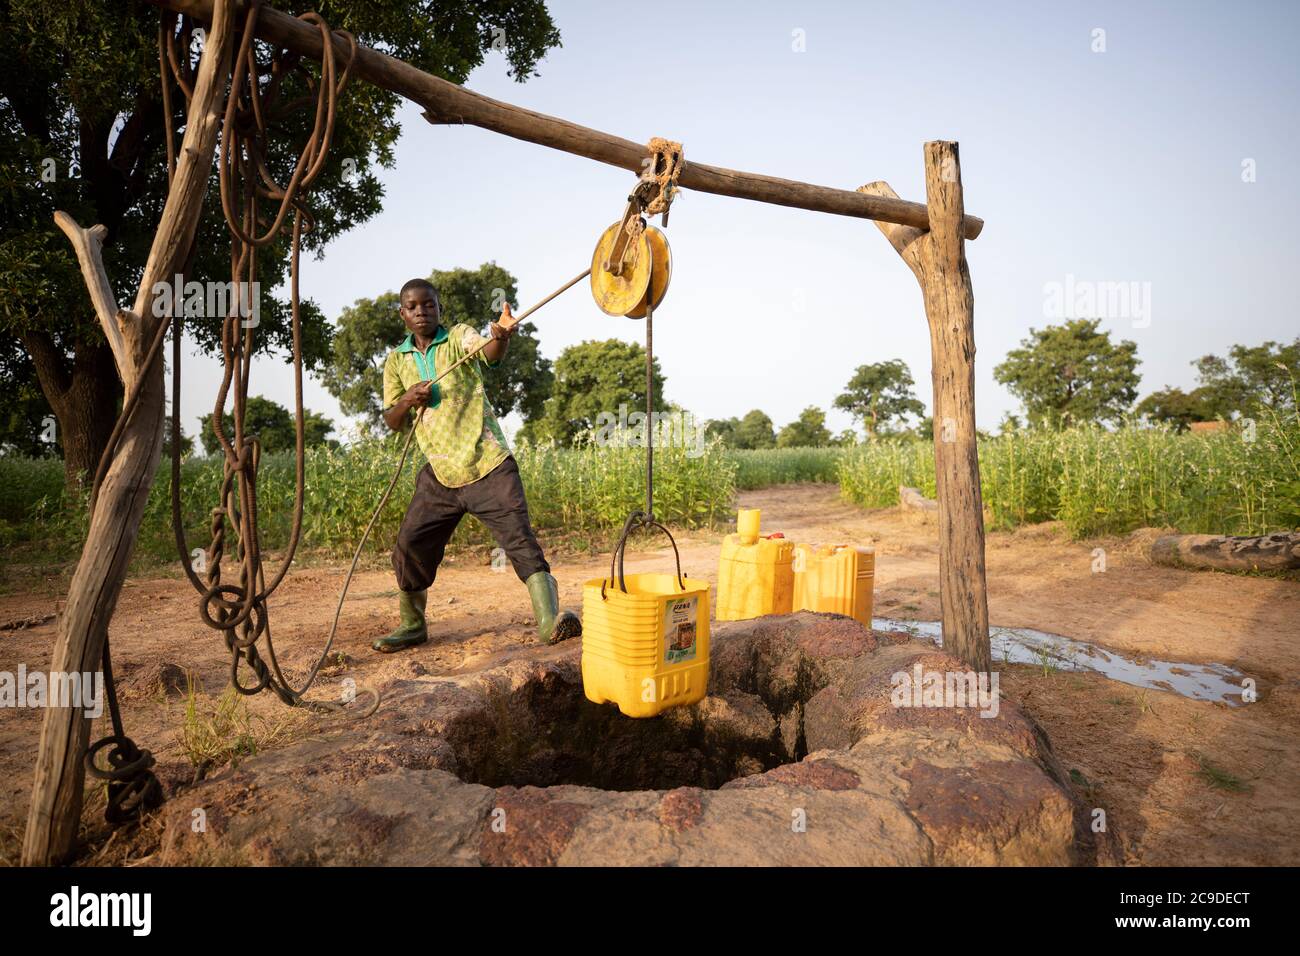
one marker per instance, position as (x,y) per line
(621,272)
(662,257)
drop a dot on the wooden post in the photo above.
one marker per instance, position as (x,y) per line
(55,812)
(938,259)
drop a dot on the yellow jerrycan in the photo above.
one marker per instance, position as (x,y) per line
(836,578)
(645,637)
(755,573)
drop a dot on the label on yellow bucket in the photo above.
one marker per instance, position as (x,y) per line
(679,630)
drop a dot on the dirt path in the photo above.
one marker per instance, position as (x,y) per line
(1182,782)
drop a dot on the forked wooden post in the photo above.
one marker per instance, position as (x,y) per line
(55,812)
(938,259)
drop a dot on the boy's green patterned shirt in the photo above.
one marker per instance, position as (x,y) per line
(458,432)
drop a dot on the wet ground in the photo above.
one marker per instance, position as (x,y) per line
(1024,645)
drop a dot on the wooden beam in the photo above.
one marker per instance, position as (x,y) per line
(55,812)
(938,259)
(445,102)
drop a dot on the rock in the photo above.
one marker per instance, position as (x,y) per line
(796,757)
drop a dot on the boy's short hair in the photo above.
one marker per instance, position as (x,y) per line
(419,284)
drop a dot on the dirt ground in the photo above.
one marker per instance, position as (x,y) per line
(1182,782)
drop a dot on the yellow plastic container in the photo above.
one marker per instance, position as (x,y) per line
(837,578)
(648,649)
(755,573)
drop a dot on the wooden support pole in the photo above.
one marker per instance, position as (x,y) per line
(446,102)
(55,813)
(938,259)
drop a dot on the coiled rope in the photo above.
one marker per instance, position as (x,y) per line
(238,610)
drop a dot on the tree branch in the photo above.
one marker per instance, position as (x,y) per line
(902,238)
(89,245)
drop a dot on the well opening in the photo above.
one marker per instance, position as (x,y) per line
(546,733)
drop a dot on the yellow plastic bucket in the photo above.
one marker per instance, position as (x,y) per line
(645,639)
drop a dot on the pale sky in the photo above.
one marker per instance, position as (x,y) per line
(1089,166)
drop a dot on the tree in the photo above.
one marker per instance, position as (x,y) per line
(1176,407)
(82,121)
(26,425)
(879,393)
(755,431)
(1250,379)
(593,378)
(1071,374)
(272,423)
(724,429)
(807,431)
(370,328)
(187,442)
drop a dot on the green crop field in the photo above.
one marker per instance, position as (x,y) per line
(1094,480)
(1098,481)
(585,490)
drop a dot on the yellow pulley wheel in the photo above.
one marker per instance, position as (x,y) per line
(620,294)
(663,271)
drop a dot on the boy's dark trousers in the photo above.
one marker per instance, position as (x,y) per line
(496,499)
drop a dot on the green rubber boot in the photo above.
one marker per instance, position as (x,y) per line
(553,624)
(412,630)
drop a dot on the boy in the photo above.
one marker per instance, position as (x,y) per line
(469,469)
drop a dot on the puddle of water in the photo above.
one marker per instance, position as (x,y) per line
(1023,645)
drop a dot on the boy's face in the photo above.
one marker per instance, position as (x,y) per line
(420,311)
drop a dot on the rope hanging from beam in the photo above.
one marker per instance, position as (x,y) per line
(238,610)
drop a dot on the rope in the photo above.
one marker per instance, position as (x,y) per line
(664,169)
(650,395)
(239,610)
(245,176)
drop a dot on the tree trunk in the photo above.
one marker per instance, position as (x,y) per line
(937,257)
(89,414)
(84,400)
